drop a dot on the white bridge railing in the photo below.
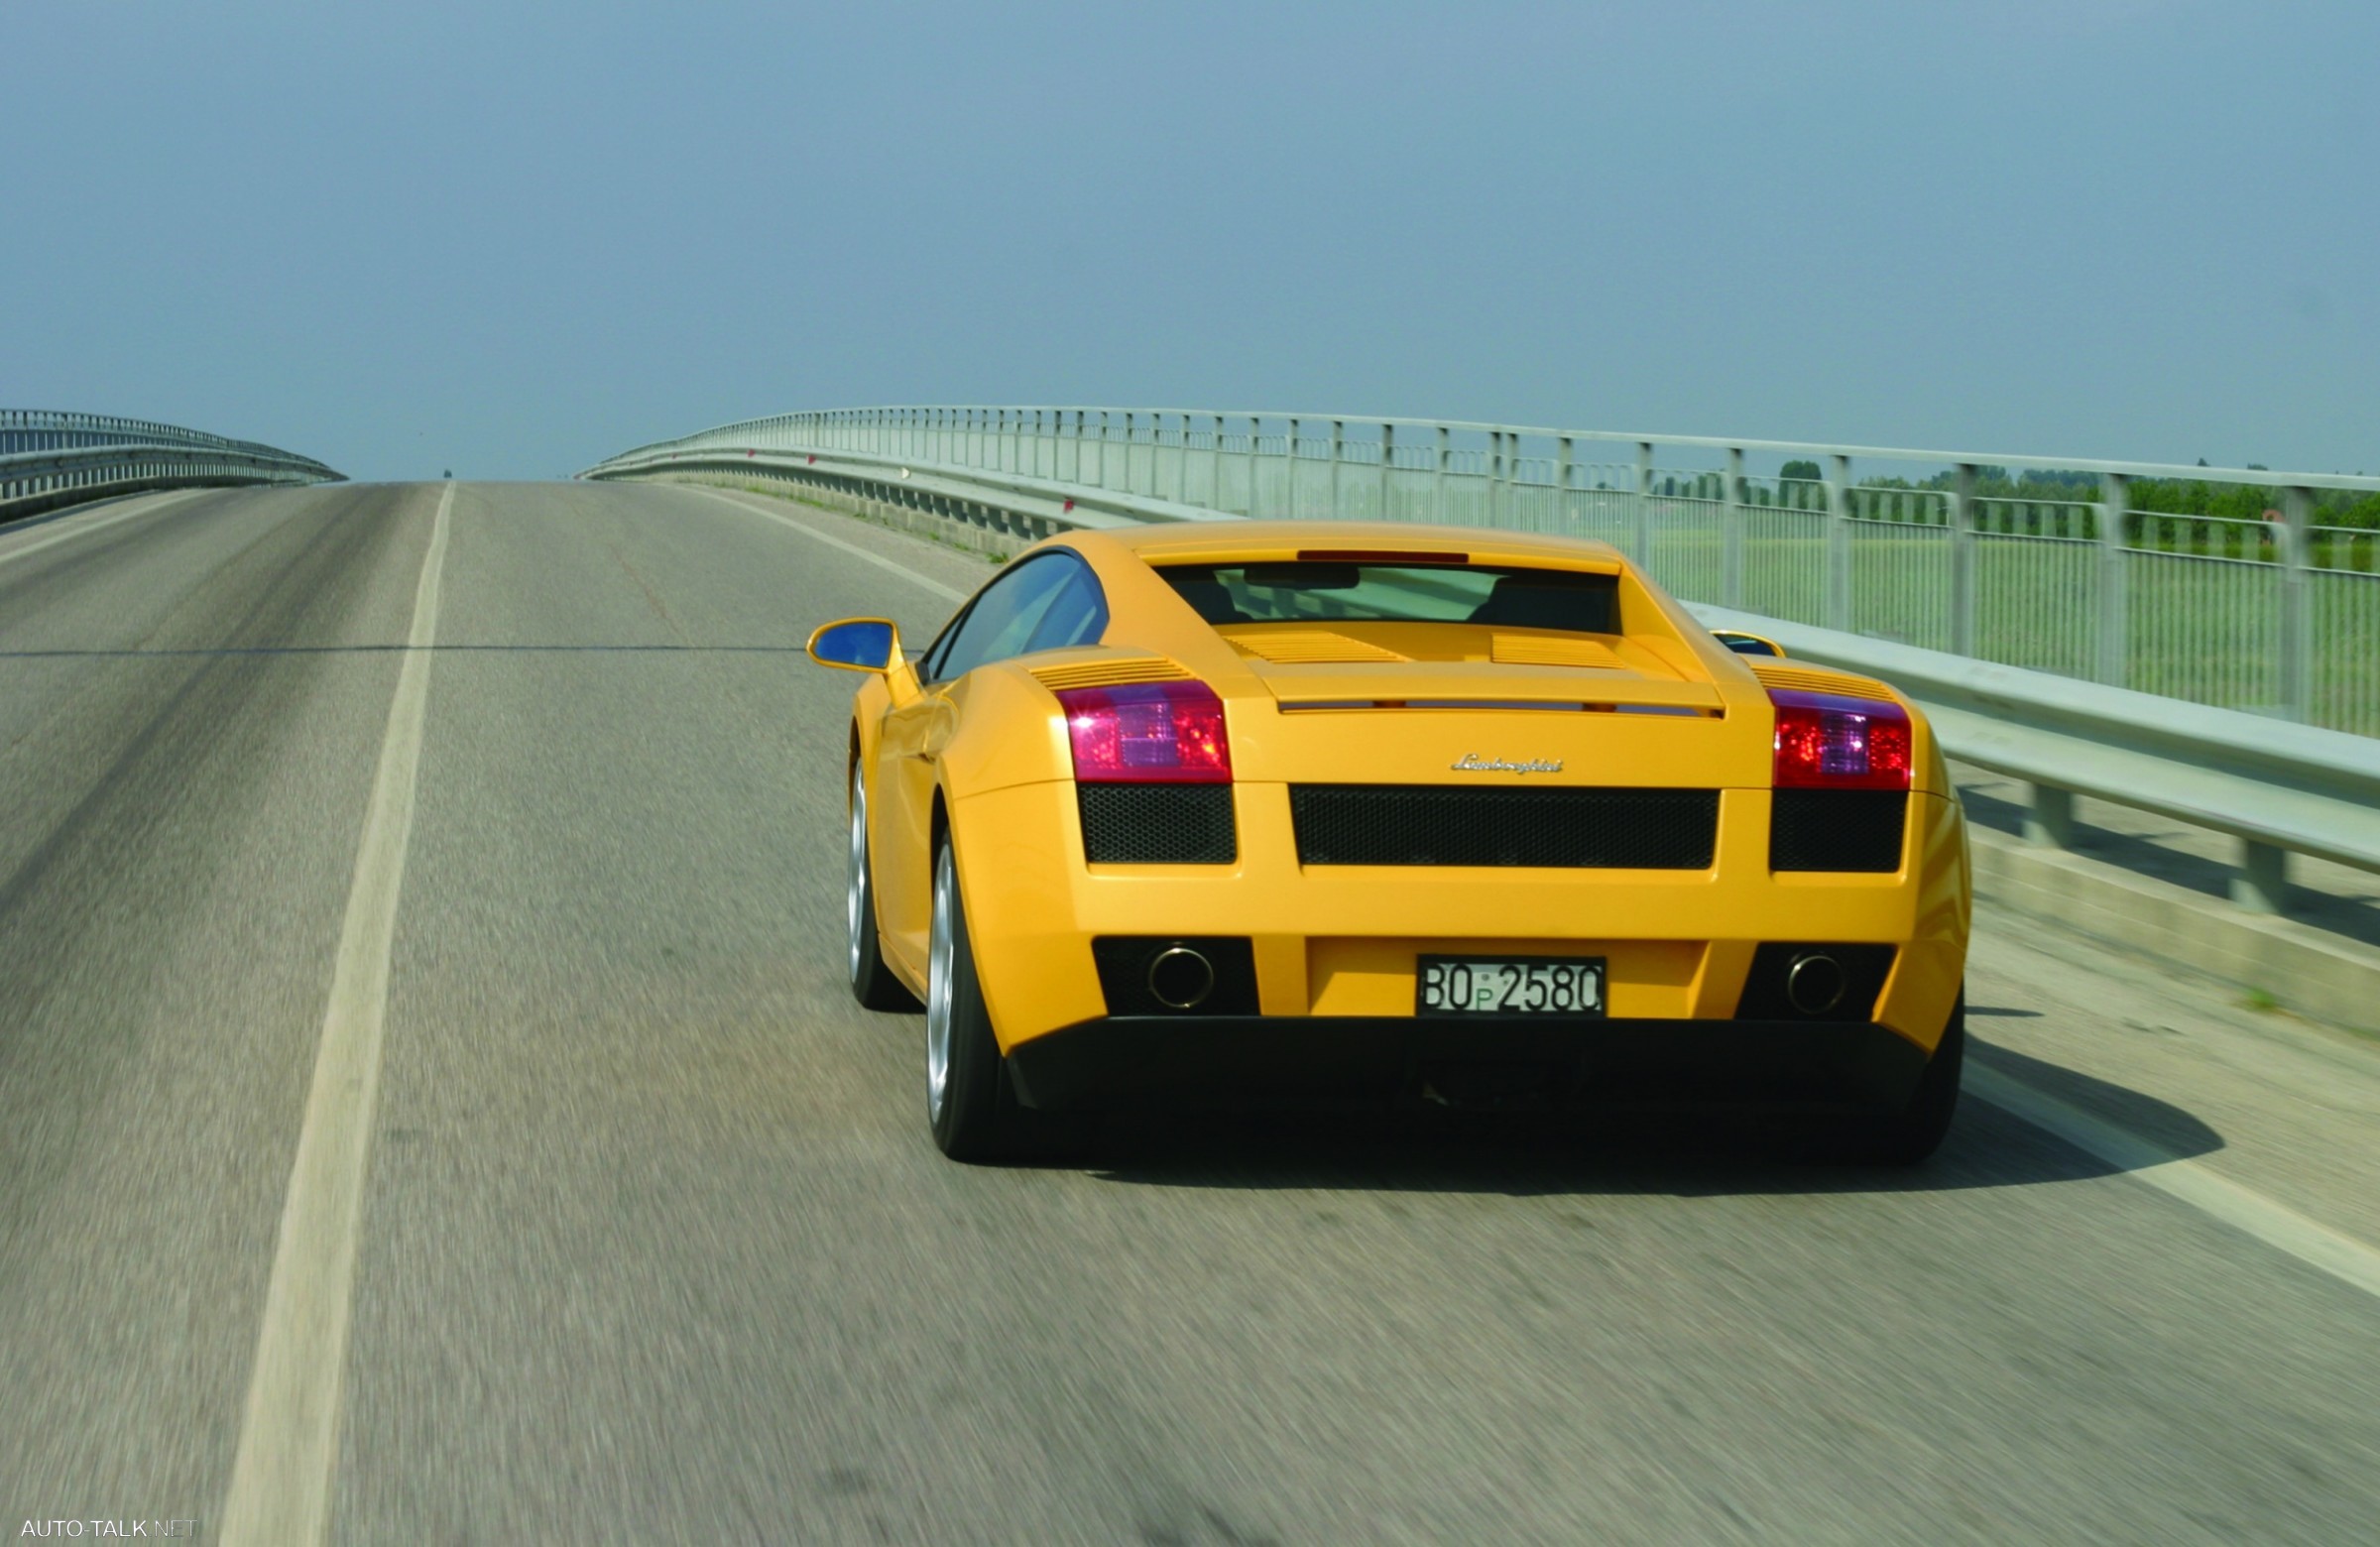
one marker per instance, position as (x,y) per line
(49,460)
(2278,616)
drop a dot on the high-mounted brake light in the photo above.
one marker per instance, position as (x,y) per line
(1829,742)
(1408,556)
(1148,733)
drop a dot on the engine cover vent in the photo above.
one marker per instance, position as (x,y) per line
(1812,679)
(1108,673)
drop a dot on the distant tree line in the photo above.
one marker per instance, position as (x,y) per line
(2153,495)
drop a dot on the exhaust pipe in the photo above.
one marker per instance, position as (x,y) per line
(1181,979)
(1815,983)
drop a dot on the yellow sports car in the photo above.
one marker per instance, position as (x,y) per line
(1238,812)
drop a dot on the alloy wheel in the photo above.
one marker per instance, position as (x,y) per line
(855,902)
(940,957)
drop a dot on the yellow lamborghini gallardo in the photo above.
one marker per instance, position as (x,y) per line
(1241,813)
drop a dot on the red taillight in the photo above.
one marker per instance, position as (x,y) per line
(1828,741)
(1148,733)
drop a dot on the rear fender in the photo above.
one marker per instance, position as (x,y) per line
(1005,730)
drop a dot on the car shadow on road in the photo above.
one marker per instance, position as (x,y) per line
(1528,1155)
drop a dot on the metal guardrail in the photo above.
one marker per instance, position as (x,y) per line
(2278,788)
(49,460)
(2279,616)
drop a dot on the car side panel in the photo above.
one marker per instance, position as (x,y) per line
(869,707)
(1932,967)
(900,817)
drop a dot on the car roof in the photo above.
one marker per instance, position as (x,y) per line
(1272,540)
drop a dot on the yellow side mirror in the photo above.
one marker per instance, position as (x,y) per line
(857,644)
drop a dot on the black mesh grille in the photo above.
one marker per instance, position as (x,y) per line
(1157,824)
(1836,830)
(1423,824)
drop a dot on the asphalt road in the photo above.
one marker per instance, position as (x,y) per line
(651,1245)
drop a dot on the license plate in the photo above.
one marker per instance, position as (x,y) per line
(1508,986)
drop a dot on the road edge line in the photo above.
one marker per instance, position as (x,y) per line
(280,1477)
(852,548)
(88,528)
(2275,1224)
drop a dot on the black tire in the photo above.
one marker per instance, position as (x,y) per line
(971,1106)
(871,982)
(1913,1133)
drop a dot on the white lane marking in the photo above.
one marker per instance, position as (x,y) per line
(2275,1224)
(852,548)
(289,1439)
(85,528)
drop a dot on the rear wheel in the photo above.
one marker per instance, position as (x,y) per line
(969,1102)
(1916,1129)
(871,982)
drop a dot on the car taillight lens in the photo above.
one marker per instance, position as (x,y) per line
(1148,733)
(1828,741)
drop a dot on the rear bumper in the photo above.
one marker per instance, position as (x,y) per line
(1339,943)
(1129,1062)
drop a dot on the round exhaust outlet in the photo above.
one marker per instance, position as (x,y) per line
(1815,983)
(1181,979)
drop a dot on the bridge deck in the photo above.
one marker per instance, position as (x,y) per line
(653,1246)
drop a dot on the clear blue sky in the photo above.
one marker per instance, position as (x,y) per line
(510,238)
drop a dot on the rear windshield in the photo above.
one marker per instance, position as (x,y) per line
(1306,590)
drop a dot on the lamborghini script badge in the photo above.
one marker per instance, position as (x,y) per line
(1472,762)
